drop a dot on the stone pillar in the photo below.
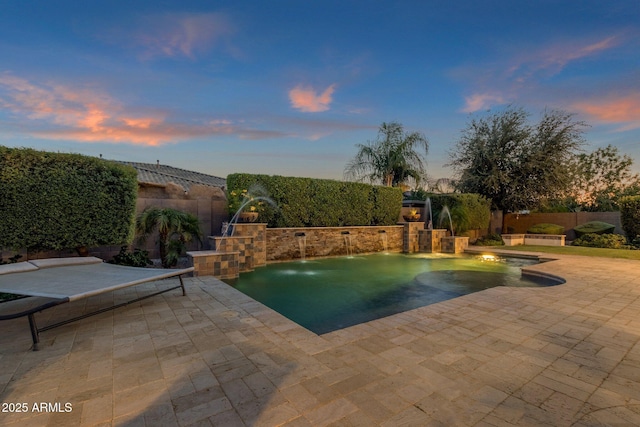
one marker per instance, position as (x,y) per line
(454,245)
(258,231)
(410,236)
(430,241)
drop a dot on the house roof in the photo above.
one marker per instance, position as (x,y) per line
(158,174)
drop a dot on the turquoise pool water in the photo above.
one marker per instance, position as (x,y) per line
(328,294)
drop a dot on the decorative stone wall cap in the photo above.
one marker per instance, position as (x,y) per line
(195,254)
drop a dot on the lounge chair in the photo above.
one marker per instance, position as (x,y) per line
(55,281)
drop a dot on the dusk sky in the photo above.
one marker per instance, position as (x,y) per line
(290,87)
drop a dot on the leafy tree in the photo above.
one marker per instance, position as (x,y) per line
(601,178)
(175,228)
(515,164)
(392,159)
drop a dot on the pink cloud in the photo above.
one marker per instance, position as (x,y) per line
(523,74)
(86,115)
(306,99)
(554,58)
(620,110)
(179,35)
(481,101)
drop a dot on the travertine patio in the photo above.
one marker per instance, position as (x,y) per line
(557,356)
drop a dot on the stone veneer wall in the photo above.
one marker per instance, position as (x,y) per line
(258,232)
(411,242)
(454,245)
(430,241)
(223,265)
(242,245)
(282,243)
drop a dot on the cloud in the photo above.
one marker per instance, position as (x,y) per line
(481,101)
(552,59)
(620,110)
(55,111)
(306,99)
(177,35)
(523,74)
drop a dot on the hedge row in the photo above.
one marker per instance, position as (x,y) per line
(308,202)
(630,216)
(468,211)
(53,201)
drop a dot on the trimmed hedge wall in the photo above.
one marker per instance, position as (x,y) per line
(468,211)
(545,228)
(308,202)
(630,216)
(53,201)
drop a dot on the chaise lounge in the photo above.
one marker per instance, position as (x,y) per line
(55,281)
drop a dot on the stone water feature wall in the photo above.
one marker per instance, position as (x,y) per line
(282,244)
(430,241)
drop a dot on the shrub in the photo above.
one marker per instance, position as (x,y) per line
(174,228)
(490,240)
(54,201)
(630,216)
(468,211)
(597,227)
(137,258)
(546,229)
(307,202)
(609,241)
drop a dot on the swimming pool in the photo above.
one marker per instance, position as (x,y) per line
(324,295)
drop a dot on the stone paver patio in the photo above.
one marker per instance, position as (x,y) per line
(558,356)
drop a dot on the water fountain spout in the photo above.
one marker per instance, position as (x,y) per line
(384,239)
(347,241)
(445,211)
(302,244)
(427,207)
(229,229)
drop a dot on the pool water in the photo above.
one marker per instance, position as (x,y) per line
(328,294)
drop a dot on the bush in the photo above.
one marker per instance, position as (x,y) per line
(597,227)
(490,240)
(468,211)
(307,202)
(53,201)
(137,258)
(546,229)
(630,217)
(609,241)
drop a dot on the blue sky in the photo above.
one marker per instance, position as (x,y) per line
(290,87)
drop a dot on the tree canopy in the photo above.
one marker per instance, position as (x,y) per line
(514,163)
(601,178)
(392,159)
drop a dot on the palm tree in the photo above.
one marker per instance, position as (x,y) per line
(391,159)
(175,229)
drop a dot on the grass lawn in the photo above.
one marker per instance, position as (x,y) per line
(576,250)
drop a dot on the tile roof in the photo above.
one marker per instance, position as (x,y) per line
(153,173)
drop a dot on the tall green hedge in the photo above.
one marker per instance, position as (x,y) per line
(308,202)
(630,216)
(53,201)
(468,211)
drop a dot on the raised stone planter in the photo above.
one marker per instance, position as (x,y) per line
(534,239)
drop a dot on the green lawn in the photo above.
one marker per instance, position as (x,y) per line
(576,250)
